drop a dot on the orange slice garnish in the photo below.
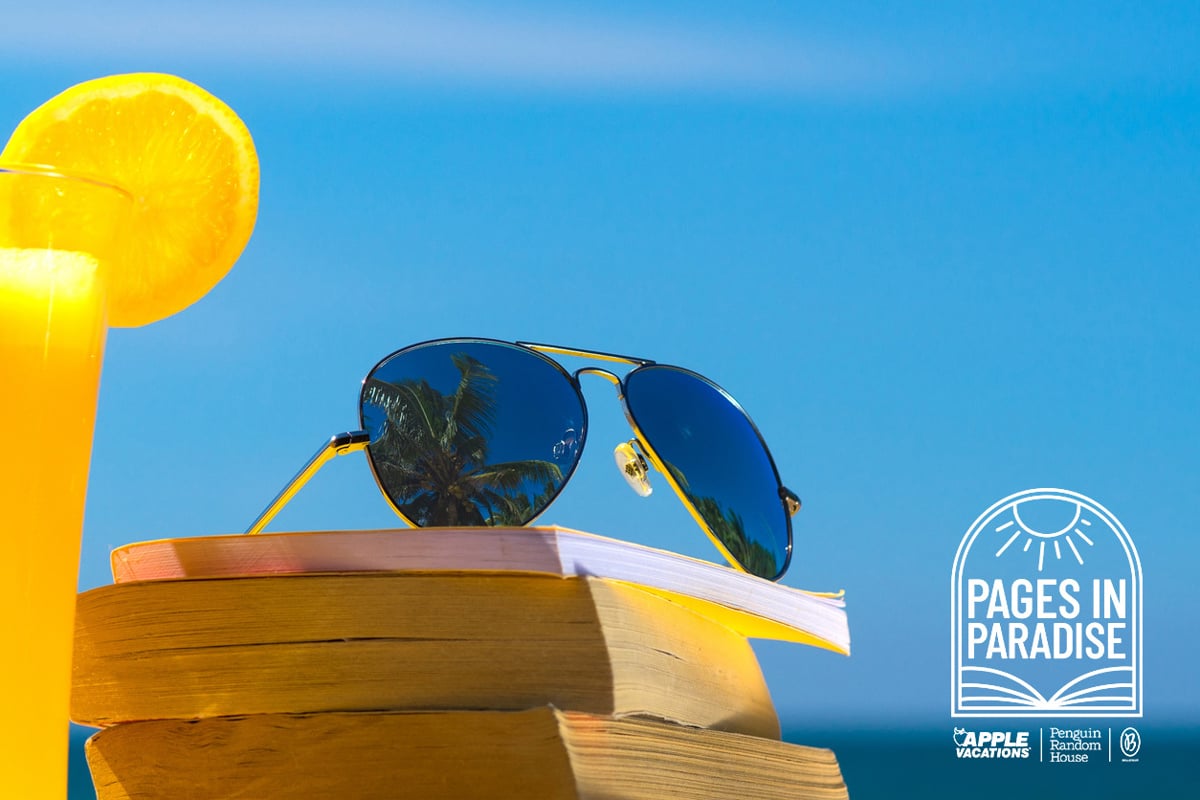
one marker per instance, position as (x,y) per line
(188,161)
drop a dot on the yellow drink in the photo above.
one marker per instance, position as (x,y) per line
(56,234)
(52,330)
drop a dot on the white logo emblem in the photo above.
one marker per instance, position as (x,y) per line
(1046,611)
(1131,742)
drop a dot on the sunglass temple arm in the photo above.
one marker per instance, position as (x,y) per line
(339,445)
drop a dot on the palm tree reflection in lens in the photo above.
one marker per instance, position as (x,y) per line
(431,452)
(728,526)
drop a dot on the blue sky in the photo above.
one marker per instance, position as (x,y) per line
(940,255)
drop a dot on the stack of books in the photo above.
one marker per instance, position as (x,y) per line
(465,663)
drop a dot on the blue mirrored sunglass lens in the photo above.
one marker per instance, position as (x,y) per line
(465,432)
(716,457)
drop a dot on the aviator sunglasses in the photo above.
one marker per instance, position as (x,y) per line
(478,432)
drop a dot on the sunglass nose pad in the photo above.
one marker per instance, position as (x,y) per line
(633,467)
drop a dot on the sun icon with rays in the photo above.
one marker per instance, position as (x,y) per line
(1046,539)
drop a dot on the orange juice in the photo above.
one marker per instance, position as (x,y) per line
(57,236)
(52,331)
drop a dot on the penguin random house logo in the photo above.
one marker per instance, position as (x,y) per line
(1046,611)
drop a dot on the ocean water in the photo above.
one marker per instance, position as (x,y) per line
(79,780)
(922,764)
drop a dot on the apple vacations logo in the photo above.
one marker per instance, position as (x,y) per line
(991,744)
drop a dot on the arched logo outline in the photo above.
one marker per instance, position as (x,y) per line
(1058,704)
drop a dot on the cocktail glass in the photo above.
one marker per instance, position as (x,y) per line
(59,235)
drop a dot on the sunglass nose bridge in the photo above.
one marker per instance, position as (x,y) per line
(601,372)
(633,467)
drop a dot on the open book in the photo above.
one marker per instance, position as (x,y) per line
(749,605)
